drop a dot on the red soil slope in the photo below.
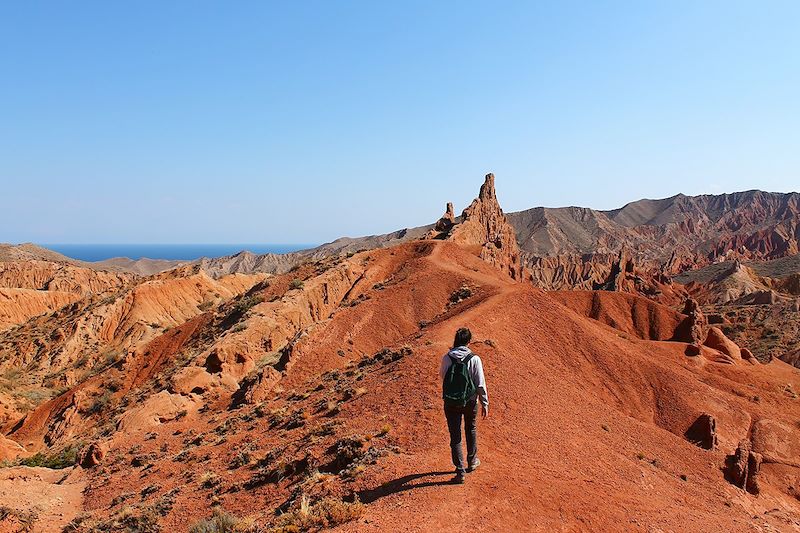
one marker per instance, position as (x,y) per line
(586,429)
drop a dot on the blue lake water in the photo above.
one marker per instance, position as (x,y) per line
(182,252)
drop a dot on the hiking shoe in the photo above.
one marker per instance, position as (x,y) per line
(459,479)
(474,465)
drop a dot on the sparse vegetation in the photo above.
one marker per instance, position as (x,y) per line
(296,284)
(222,522)
(23,522)
(244,304)
(63,458)
(209,480)
(241,326)
(129,518)
(461,294)
(241,459)
(325,513)
(100,403)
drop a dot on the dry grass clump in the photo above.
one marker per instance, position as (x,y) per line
(328,512)
(222,522)
(209,480)
(21,521)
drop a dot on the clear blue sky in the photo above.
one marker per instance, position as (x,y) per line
(304,121)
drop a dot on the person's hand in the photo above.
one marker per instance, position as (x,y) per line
(484,411)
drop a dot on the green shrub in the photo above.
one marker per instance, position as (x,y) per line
(101,403)
(64,458)
(296,284)
(246,303)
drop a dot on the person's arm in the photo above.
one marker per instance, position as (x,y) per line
(443,366)
(480,384)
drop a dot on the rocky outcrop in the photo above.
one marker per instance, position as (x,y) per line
(717,340)
(448,220)
(567,271)
(99,328)
(703,432)
(49,276)
(157,409)
(483,224)
(257,387)
(93,455)
(777,442)
(692,329)
(19,305)
(617,279)
(9,449)
(743,468)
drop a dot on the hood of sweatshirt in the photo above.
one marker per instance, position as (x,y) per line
(460,353)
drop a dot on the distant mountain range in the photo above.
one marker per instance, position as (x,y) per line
(673,234)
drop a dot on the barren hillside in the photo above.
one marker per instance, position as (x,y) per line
(311,400)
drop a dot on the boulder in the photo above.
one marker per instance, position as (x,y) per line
(703,432)
(157,409)
(92,455)
(717,340)
(257,388)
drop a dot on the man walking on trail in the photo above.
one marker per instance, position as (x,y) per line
(462,384)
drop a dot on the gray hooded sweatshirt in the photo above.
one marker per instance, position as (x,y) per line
(474,367)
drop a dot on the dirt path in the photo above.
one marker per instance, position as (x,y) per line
(51,498)
(556,453)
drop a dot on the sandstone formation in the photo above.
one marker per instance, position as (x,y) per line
(576,248)
(703,432)
(48,276)
(692,329)
(744,467)
(276,396)
(618,277)
(93,455)
(9,449)
(19,305)
(717,340)
(483,224)
(448,220)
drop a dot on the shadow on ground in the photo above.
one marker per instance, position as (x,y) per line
(404,483)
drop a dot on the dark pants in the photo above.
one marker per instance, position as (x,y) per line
(454,415)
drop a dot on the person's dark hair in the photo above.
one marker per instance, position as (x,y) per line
(463,336)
